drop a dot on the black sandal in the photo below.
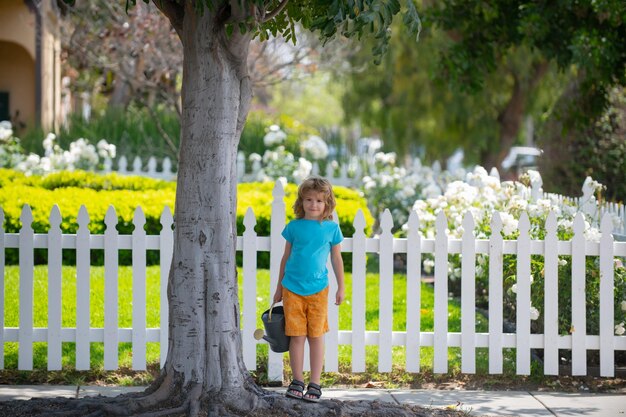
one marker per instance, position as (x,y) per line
(313,393)
(295,389)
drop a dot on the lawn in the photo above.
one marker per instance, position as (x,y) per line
(263,296)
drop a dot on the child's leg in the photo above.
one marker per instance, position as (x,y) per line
(296,356)
(316,347)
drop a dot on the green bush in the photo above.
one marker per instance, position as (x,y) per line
(70,190)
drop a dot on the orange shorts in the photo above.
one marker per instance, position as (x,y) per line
(306,315)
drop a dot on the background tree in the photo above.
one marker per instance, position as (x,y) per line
(585,35)
(129,70)
(406,101)
(204,369)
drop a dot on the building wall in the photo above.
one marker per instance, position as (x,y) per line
(17,76)
(18,25)
(50,68)
(30,68)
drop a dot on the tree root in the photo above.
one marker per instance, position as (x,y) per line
(191,404)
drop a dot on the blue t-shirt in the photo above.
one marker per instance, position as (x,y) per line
(311,240)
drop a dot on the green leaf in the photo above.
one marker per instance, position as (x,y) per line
(412,20)
(229,29)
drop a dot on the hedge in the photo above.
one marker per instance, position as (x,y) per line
(70,190)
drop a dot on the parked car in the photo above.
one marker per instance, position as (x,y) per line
(520,159)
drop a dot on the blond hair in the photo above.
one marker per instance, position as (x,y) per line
(318,185)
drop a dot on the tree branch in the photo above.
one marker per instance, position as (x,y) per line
(275,12)
(174,12)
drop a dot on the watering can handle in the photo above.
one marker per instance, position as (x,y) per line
(269,316)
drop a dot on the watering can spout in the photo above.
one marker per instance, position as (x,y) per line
(259,334)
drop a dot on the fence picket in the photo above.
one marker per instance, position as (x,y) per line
(468,297)
(523,297)
(2,261)
(579,305)
(249,289)
(551,298)
(165,261)
(55,258)
(358,293)
(414,294)
(122,165)
(607,301)
(331,357)
(139,291)
(495,295)
(440,342)
(385,303)
(111,296)
(152,165)
(137,165)
(82,290)
(277,244)
(25,334)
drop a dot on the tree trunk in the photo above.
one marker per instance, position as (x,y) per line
(510,118)
(205,341)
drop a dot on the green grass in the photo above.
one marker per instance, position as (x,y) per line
(125,376)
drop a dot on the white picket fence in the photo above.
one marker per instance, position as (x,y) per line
(166,173)
(359,245)
(352,177)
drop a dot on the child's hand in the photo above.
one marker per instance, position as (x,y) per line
(339,297)
(278,295)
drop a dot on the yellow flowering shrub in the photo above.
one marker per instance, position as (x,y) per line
(70,190)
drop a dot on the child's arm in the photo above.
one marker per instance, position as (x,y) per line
(278,295)
(337,262)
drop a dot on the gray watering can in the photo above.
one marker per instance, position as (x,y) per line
(274,323)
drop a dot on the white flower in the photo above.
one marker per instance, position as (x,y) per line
(315,147)
(619,329)
(6,130)
(105,149)
(518,203)
(565,224)
(534,313)
(48,143)
(592,234)
(303,170)
(83,154)
(509,224)
(368,183)
(254,157)
(544,205)
(623,305)
(514,288)
(385,158)
(429,264)
(595,185)
(31,165)
(562,262)
(274,136)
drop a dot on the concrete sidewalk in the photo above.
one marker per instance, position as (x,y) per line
(475,403)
